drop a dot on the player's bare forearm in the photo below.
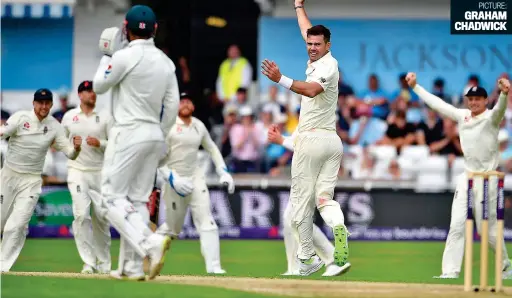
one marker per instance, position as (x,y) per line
(303,20)
(309,89)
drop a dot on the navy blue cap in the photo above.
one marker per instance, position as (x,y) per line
(85,86)
(185,95)
(476,91)
(141,20)
(43,94)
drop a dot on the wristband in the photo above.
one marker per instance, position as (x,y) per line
(286,82)
(299,6)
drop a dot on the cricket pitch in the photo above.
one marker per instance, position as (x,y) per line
(304,288)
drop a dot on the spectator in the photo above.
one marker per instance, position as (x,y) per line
(230,115)
(234,72)
(246,143)
(265,121)
(364,168)
(344,90)
(394,172)
(399,133)
(430,130)
(406,95)
(505,151)
(277,157)
(366,131)
(450,143)
(272,101)
(372,102)
(64,107)
(343,119)
(438,90)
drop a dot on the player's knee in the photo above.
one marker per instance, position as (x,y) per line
(14,228)
(206,224)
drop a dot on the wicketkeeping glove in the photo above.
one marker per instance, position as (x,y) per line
(227,179)
(111,41)
(182,186)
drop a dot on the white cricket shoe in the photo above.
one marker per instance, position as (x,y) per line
(159,246)
(118,275)
(217,271)
(334,270)
(87,269)
(308,267)
(291,273)
(447,276)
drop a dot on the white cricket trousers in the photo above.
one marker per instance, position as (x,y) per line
(91,230)
(127,181)
(315,165)
(454,250)
(19,196)
(323,247)
(200,208)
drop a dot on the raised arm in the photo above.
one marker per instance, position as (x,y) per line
(498,112)
(434,102)
(302,18)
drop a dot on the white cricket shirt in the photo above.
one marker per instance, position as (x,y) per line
(142,79)
(319,112)
(183,142)
(30,139)
(77,123)
(478,135)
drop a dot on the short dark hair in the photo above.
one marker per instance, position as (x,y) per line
(320,30)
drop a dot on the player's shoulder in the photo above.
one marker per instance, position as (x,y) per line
(328,62)
(20,114)
(71,112)
(198,122)
(52,121)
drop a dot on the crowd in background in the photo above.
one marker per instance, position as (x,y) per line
(365,118)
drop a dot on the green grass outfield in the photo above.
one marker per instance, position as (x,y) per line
(399,262)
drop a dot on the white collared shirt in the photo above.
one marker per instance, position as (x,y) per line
(183,142)
(320,112)
(142,79)
(30,139)
(97,125)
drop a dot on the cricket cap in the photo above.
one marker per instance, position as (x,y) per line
(43,94)
(185,95)
(476,91)
(141,20)
(85,86)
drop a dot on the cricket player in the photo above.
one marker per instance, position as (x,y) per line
(84,173)
(323,246)
(478,130)
(30,133)
(142,79)
(315,172)
(187,186)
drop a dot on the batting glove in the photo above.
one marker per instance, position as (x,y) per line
(227,179)
(110,41)
(182,186)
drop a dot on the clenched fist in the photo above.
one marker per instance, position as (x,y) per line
(93,142)
(504,85)
(77,142)
(411,79)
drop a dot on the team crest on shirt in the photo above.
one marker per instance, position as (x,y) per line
(45,130)
(179,129)
(466,119)
(75,119)
(26,126)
